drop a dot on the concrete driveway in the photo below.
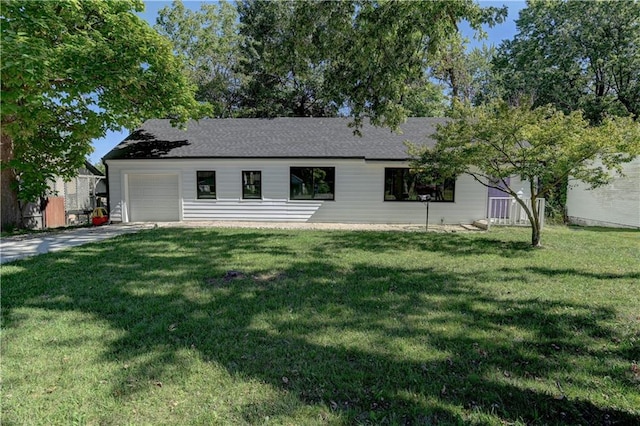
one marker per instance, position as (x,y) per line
(18,247)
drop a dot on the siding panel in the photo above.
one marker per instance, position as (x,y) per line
(358,193)
(616,204)
(281,211)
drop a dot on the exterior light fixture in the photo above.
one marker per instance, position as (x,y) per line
(425,200)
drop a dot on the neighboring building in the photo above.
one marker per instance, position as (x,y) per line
(83,193)
(281,169)
(68,203)
(615,205)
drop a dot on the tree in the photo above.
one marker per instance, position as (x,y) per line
(258,60)
(450,65)
(468,75)
(300,58)
(209,42)
(385,46)
(367,58)
(424,98)
(576,55)
(485,82)
(101,167)
(285,64)
(71,70)
(542,145)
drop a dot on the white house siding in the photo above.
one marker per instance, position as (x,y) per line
(359,190)
(617,204)
(360,199)
(518,184)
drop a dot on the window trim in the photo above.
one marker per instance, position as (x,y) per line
(199,195)
(333,193)
(384,188)
(244,197)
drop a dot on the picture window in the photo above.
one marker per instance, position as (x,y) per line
(312,183)
(402,185)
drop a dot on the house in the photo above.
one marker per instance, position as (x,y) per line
(613,205)
(68,202)
(281,169)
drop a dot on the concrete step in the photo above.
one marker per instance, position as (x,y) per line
(481,224)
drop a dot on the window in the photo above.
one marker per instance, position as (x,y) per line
(252,185)
(312,183)
(401,185)
(206,185)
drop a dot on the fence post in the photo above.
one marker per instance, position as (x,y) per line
(541,211)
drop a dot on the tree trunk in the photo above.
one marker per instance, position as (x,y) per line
(534,219)
(455,92)
(535,235)
(10,208)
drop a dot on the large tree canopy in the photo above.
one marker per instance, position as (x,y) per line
(375,57)
(576,55)
(542,146)
(301,58)
(284,64)
(71,70)
(209,42)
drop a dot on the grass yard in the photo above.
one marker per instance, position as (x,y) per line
(325,327)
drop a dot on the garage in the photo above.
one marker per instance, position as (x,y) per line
(153,197)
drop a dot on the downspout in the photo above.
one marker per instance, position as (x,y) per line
(106,173)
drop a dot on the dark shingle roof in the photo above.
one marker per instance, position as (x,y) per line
(272,138)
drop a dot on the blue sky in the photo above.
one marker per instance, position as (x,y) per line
(501,32)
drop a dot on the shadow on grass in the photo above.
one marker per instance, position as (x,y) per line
(603,229)
(448,243)
(370,314)
(550,272)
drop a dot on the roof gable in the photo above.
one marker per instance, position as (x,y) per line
(293,137)
(91,169)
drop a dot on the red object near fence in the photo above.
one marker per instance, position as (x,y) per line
(99,216)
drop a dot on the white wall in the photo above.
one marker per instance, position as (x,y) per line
(617,204)
(359,191)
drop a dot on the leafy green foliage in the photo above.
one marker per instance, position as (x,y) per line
(71,70)
(301,58)
(541,146)
(284,63)
(387,46)
(467,74)
(424,99)
(209,42)
(576,55)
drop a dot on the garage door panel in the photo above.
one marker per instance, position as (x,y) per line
(154,198)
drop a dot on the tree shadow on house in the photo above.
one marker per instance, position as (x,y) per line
(143,144)
(372,343)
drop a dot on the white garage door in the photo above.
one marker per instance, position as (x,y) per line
(153,198)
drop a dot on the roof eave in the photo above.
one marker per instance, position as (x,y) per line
(229,157)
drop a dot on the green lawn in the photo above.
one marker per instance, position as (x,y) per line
(325,327)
